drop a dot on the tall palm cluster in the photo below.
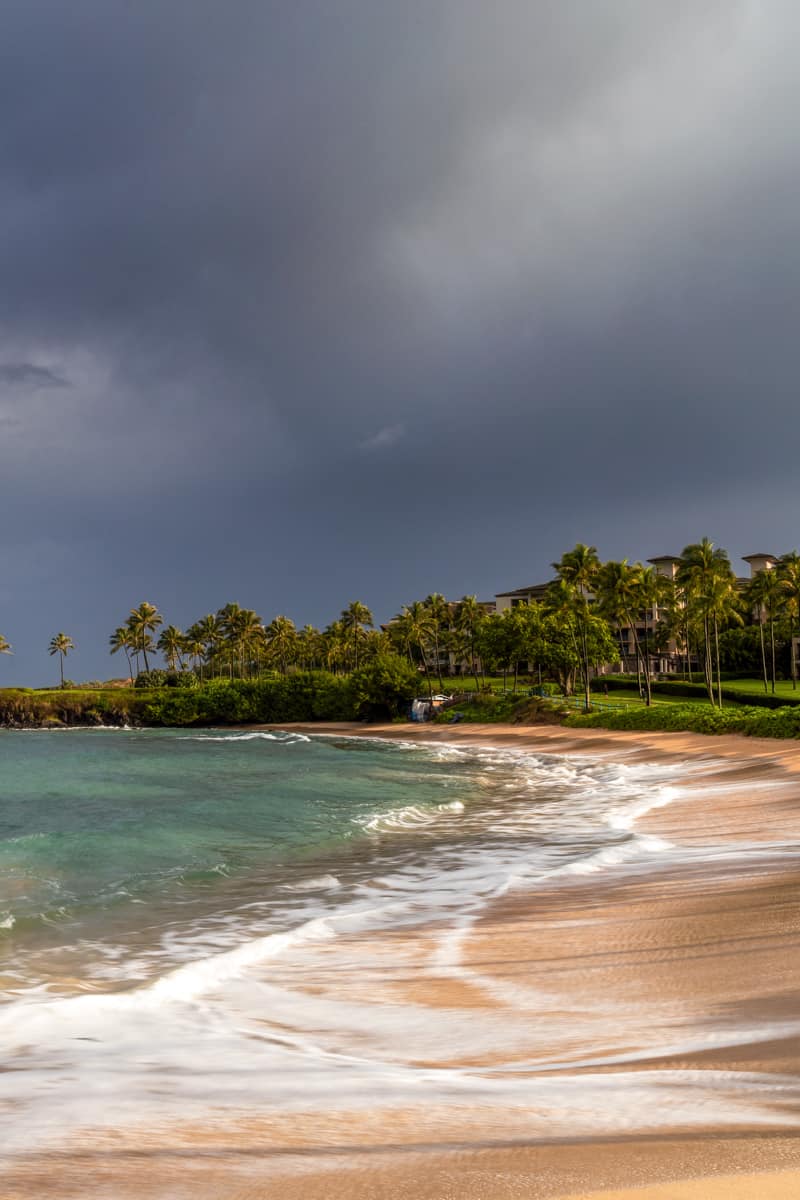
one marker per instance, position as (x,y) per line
(690,611)
(235,642)
(433,630)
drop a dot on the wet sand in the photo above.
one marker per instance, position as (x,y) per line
(690,971)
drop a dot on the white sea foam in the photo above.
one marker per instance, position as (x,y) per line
(316,884)
(8,921)
(254,735)
(411,817)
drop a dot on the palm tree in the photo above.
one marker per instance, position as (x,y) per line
(209,631)
(5,647)
(439,611)
(723,607)
(357,619)
(310,646)
(194,647)
(61,644)
(789,574)
(335,641)
(467,621)
(577,571)
(281,638)
(767,594)
(701,567)
(230,620)
(250,634)
(623,590)
(122,639)
(419,626)
(143,622)
(170,643)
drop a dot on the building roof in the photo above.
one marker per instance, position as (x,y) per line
(524,591)
(750,557)
(670,558)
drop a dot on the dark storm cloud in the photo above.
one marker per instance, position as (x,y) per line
(363,298)
(29,375)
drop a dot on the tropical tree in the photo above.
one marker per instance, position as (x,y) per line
(789,575)
(767,595)
(335,646)
(723,610)
(250,635)
(230,618)
(356,619)
(194,647)
(621,591)
(210,632)
(122,639)
(171,642)
(439,611)
(419,624)
(577,574)
(310,647)
(281,641)
(468,617)
(5,647)
(497,642)
(61,645)
(143,622)
(708,583)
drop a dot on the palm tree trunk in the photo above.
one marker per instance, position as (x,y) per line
(707,669)
(438,659)
(647,663)
(763,650)
(719,675)
(61,664)
(772,648)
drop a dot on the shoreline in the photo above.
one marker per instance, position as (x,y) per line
(752,787)
(558,739)
(690,948)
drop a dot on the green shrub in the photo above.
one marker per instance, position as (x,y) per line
(482,708)
(304,696)
(384,687)
(749,720)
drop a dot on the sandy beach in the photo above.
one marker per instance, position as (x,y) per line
(684,978)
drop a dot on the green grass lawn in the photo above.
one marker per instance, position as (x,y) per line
(782,688)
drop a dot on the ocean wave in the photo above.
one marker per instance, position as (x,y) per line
(255,735)
(412,816)
(637,846)
(317,884)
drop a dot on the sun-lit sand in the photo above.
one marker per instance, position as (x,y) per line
(667,973)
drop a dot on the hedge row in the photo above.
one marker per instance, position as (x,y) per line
(681,687)
(748,720)
(383,687)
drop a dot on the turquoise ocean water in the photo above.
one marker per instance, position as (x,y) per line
(158,888)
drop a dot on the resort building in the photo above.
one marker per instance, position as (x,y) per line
(665,651)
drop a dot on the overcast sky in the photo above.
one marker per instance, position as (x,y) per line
(332,299)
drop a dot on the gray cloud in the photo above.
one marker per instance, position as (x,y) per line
(30,375)
(315,272)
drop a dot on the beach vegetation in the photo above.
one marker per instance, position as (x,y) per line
(384,687)
(746,720)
